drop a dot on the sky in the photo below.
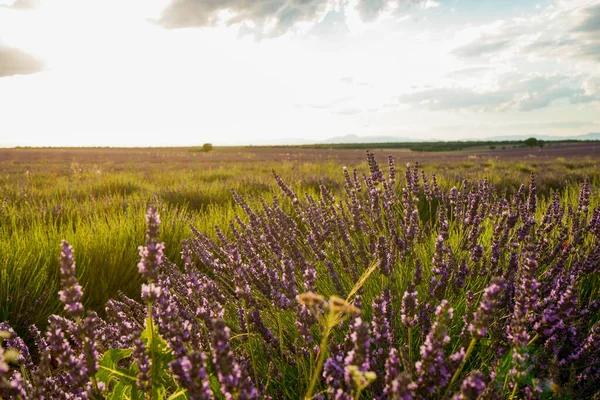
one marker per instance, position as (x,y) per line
(187,72)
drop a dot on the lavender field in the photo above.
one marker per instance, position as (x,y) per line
(467,276)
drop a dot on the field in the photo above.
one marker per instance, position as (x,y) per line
(362,237)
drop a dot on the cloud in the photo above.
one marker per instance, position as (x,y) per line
(455,99)
(430,4)
(350,80)
(522,93)
(582,41)
(268,18)
(23,4)
(16,62)
(276,17)
(591,23)
(553,125)
(511,126)
(369,10)
(468,72)
(332,26)
(483,46)
(587,32)
(567,30)
(349,111)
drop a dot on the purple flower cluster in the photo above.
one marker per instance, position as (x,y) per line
(72,292)
(400,289)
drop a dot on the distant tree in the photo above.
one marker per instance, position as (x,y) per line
(531,142)
(206,147)
(492,147)
(541,144)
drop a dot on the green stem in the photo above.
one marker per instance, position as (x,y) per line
(507,376)
(462,366)
(536,337)
(280,328)
(321,356)
(88,356)
(152,348)
(410,352)
(358,393)
(514,391)
(252,360)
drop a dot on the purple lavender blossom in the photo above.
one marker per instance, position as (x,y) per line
(381,322)
(71,292)
(263,330)
(140,355)
(418,274)
(251,273)
(397,383)
(12,341)
(190,372)
(432,370)
(526,299)
(338,386)
(472,387)
(286,189)
(410,305)
(304,321)
(384,256)
(360,338)
(488,308)
(234,383)
(151,255)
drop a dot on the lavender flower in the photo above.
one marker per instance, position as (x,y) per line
(338,386)
(432,370)
(152,253)
(396,383)
(12,341)
(71,292)
(190,372)
(410,305)
(526,299)
(234,383)
(382,329)
(418,274)
(304,321)
(140,355)
(488,308)
(472,387)
(360,338)
(262,329)
(248,275)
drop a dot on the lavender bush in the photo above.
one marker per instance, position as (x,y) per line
(398,290)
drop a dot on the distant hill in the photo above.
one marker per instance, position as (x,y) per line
(587,136)
(366,139)
(390,140)
(354,139)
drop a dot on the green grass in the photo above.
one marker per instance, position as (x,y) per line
(102,216)
(99,208)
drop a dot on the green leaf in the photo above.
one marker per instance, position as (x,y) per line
(120,382)
(160,356)
(181,394)
(120,392)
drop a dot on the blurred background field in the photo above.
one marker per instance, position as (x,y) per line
(96,199)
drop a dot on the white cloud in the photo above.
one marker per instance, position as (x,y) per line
(563,30)
(123,79)
(14,61)
(431,4)
(513,91)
